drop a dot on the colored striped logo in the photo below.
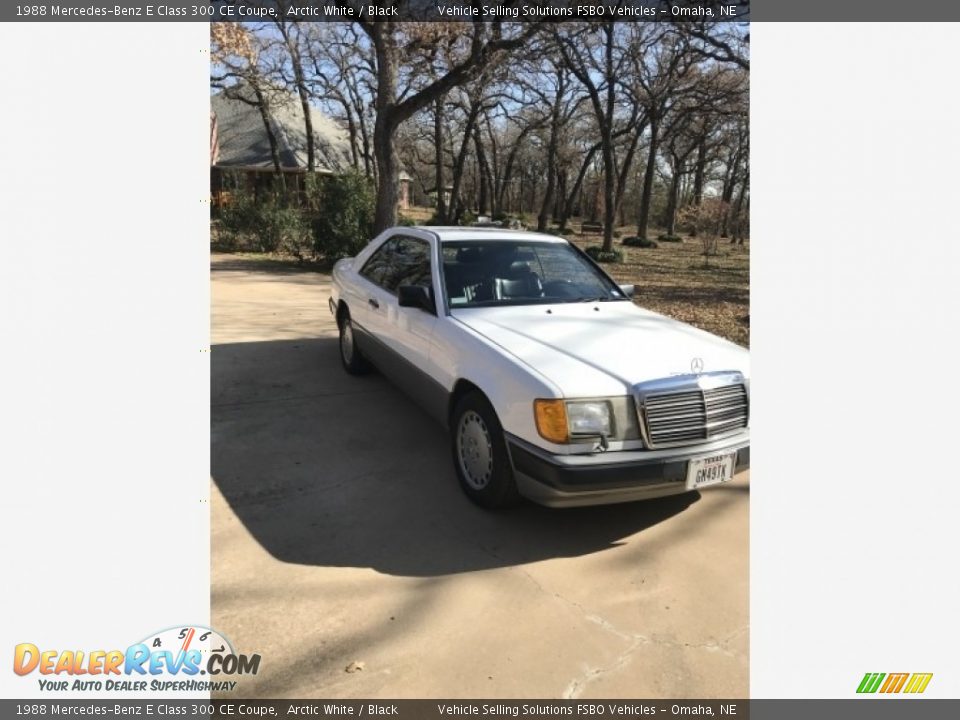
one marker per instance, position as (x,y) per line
(894,683)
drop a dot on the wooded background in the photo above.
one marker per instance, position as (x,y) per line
(628,125)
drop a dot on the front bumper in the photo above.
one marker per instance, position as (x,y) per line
(599,479)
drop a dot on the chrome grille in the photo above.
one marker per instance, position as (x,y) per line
(689,416)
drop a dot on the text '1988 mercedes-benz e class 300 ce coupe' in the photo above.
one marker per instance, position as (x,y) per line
(554,385)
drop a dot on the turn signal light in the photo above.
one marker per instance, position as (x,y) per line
(551,417)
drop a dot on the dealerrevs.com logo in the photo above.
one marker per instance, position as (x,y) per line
(910,683)
(171,660)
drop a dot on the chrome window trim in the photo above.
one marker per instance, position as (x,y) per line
(687,383)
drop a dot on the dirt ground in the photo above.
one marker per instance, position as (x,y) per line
(339,536)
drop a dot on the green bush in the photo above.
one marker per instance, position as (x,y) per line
(669,238)
(264,224)
(341,209)
(640,242)
(604,256)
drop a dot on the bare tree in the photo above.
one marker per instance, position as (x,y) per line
(601,55)
(664,77)
(725,42)
(391,42)
(290,34)
(341,77)
(236,72)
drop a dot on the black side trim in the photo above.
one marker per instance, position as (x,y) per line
(422,389)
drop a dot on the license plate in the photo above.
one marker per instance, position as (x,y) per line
(711,470)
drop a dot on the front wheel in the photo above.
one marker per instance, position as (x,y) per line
(353,362)
(480,453)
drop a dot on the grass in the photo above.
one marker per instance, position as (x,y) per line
(673,280)
(419,215)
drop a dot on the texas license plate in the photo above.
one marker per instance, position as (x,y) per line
(710,470)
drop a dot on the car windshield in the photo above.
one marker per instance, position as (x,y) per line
(480,273)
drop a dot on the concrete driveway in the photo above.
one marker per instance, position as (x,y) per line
(339,536)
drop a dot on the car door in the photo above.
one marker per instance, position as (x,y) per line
(403,335)
(366,307)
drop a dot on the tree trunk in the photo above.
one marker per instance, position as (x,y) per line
(484,192)
(671,214)
(384,149)
(455,201)
(738,210)
(369,169)
(727,195)
(609,160)
(559,195)
(271,138)
(510,164)
(388,168)
(625,171)
(575,194)
(609,192)
(352,130)
(698,175)
(301,84)
(644,218)
(544,216)
(438,160)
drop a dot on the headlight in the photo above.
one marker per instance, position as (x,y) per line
(589,418)
(560,420)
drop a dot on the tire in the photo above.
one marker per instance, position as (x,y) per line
(480,453)
(351,358)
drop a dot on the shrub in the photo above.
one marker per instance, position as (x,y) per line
(341,209)
(706,220)
(405,221)
(640,242)
(237,220)
(604,256)
(264,224)
(669,238)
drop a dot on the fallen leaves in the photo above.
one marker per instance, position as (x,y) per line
(673,280)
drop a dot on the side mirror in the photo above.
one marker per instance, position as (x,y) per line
(628,290)
(417,296)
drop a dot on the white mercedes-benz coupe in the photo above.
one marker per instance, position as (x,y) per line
(554,385)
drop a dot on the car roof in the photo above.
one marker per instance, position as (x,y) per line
(488,234)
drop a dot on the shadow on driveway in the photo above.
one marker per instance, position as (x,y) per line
(331,470)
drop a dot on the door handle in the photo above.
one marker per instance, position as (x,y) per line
(373,303)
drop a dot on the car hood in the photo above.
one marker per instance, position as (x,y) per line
(592,349)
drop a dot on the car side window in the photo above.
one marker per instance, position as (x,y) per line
(379,266)
(399,261)
(411,264)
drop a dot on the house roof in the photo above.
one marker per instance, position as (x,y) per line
(242,141)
